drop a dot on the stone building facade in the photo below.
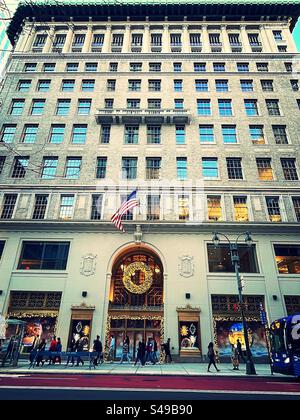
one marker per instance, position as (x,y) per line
(197,111)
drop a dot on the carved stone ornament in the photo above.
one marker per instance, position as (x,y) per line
(186,266)
(3,326)
(88,265)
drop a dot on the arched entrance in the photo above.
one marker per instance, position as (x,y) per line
(136,299)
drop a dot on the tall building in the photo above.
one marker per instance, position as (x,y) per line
(7,9)
(195,105)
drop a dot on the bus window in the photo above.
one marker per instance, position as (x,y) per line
(277,339)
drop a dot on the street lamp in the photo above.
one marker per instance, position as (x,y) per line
(235,260)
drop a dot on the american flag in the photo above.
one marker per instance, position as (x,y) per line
(128,204)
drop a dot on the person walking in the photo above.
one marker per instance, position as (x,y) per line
(211,357)
(57,357)
(234,357)
(149,348)
(125,351)
(52,349)
(167,351)
(78,349)
(140,357)
(240,351)
(71,349)
(154,356)
(40,349)
(98,348)
(111,351)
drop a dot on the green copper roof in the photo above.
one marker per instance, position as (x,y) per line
(99,10)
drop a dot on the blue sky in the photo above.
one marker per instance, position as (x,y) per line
(296,34)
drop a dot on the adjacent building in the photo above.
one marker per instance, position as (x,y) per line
(195,105)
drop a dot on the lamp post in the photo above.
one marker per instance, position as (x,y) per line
(235,260)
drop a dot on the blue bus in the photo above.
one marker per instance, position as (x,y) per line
(285,345)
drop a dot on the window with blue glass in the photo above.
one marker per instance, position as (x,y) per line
(7,133)
(29,134)
(225,107)
(180,134)
(206,133)
(91,67)
(57,133)
(44,85)
(178,103)
(63,106)
(131,134)
(105,133)
(251,107)
(84,106)
(44,255)
(210,167)
(73,167)
(178,85)
(79,134)
(242,67)
(49,167)
(101,167)
(219,67)
(72,67)
(68,85)
(181,168)
(199,67)
(203,107)
(30,67)
(37,106)
(222,86)
(229,134)
(24,85)
(129,168)
(201,85)
(88,85)
(49,67)
(17,106)
(247,85)
(177,67)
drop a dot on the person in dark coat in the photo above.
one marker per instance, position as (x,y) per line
(240,351)
(40,349)
(57,358)
(78,349)
(167,351)
(211,357)
(98,348)
(140,357)
(71,349)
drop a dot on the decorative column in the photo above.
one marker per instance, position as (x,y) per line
(186,48)
(49,41)
(266,47)
(245,40)
(19,47)
(166,39)
(29,40)
(107,40)
(205,39)
(225,40)
(68,42)
(146,40)
(126,41)
(88,38)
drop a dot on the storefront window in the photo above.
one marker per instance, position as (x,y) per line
(189,339)
(219,259)
(44,256)
(80,330)
(287,258)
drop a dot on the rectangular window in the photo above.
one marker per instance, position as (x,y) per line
(295,85)
(229,134)
(273,106)
(78,40)
(8,206)
(68,85)
(280,134)
(113,67)
(289,169)
(234,40)
(134,85)
(131,134)
(288,67)
(91,67)
(201,85)
(247,85)
(108,103)
(257,134)
(277,35)
(44,255)
(154,103)
(214,39)
(273,208)
(242,67)
(2,163)
(195,40)
(105,133)
(153,166)
(296,204)
(40,41)
(264,167)
(17,106)
(175,40)
(37,107)
(210,168)
(206,133)
(57,133)
(129,168)
(181,168)
(49,167)
(287,258)
(241,213)
(29,133)
(154,85)
(177,85)
(156,40)
(219,67)
(222,86)
(63,106)
(234,168)
(84,106)
(88,85)
(177,67)
(225,107)
(153,207)
(29,67)
(183,207)
(66,207)
(203,107)
(96,209)
(73,167)
(117,40)
(49,67)
(267,85)
(7,133)
(214,209)
(24,85)
(282,48)
(111,85)
(137,40)
(254,40)
(59,41)
(40,207)
(262,67)
(133,103)
(219,260)
(199,67)
(44,85)
(19,167)
(135,66)
(79,134)
(180,134)
(101,167)
(178,103)
(251,107)
(72,67)
(153,134)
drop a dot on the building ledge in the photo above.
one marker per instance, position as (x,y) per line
(142,116)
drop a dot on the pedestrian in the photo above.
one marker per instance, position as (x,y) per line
(98,348)
(40,349)
(125,350)
(154,357)
(149,348)
(71,349)
(240,351)
(58,350)
(111,350)
(211,357)
(140,357)
(78,349)
(234,357)
(52,348)
(167,351)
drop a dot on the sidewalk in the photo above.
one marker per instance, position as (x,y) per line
(183,369)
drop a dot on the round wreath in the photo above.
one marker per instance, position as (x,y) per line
(130,270)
